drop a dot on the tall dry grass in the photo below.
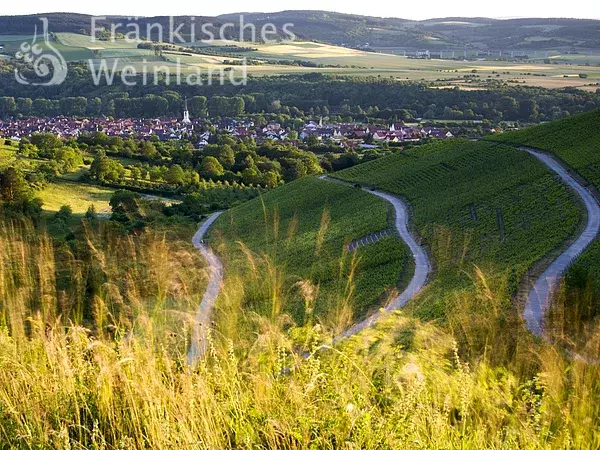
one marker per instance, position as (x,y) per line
(62,388)
(116,383)
(110,283)
(573,322)
(261,285)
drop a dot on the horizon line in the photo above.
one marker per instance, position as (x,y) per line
(303,10)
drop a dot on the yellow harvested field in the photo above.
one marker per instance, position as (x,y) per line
(79,40)
(337,60)
(78,196)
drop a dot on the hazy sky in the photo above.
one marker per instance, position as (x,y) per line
(380,8)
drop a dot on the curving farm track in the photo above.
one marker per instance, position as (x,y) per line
(422,270)
(422,265)
(202,321)
(540,296)
(537,304)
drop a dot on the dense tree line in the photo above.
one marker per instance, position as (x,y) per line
(121,105)
(171,165)
(178,164)
(17,197)
(295,96)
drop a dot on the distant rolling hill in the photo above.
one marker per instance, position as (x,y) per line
(360,31)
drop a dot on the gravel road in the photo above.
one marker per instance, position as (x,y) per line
(203,315)
(540,296)
(422,265)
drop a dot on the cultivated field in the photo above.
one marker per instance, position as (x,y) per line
(476,205)
(80,40)
(12,44)
(574,141)
(303,228)
(445,72)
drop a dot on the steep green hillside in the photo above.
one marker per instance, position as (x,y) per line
(575,141)
(303,227)
(476,204)
(7,154)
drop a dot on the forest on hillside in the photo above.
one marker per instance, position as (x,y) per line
(293,96)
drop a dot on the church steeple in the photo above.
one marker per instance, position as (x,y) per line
(186,114)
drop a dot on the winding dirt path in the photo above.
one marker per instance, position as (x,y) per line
(537,304)
(422,265)
(198,344)
(540,296)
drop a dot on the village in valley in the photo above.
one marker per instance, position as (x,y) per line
(199,131)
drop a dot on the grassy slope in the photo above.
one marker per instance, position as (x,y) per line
(121,381)
(576,142)
(297,209)
(78,196)
(458,191)
(7,154)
